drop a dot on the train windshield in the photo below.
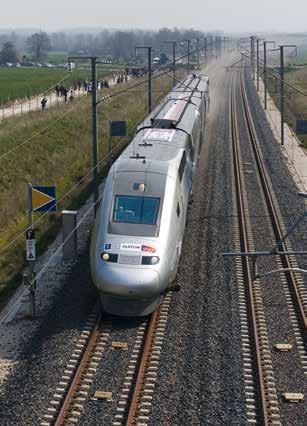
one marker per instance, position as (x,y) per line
(131,209)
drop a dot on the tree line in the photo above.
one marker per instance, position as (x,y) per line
(110,44)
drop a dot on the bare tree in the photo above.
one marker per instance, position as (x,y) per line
(8,53)
(39,45)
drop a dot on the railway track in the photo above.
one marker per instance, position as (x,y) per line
(134,402)
(134,405)
(250,297)
(288,262)
(262,386)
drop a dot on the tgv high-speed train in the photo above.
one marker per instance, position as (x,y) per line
(138,233)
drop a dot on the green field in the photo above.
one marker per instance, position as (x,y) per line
(295,103)
(57,57)
(300,59)
(17,83)
(20,83)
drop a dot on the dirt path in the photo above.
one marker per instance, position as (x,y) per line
(34,104)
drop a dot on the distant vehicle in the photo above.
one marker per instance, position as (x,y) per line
(70,66)
(106,61)
(161,59)
(28,64)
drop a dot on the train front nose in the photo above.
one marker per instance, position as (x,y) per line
(128,282)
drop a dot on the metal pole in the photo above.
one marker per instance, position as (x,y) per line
(95,134)
(197,47)
(265,75)
(189,41)
(252,55)
(205,51)
(174,63)
(110,143)
(30,224)
(265,72)
(257,64)
(149,49)
(282,88)
(174,60)
(149,80)
(30,214)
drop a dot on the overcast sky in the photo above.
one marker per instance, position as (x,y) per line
(225,15)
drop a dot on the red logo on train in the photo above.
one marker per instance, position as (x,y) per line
(148,249)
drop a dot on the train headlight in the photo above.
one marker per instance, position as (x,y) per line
(105,256)
(109,257)
(150,260)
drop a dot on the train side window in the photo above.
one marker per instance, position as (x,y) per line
(182,165)
(191,148)
(178,210)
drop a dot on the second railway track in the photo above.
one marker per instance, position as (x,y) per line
(256,333)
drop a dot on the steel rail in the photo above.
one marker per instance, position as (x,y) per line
(286,261)
(75,384)
(242,216)
(133,408)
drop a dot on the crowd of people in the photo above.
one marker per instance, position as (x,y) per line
(86,86)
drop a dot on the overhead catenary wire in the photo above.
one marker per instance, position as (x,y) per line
(275,74)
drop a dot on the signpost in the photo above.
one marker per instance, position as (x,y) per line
(301,127)
(30,244)
(116,128)
(43,199)
(40,199)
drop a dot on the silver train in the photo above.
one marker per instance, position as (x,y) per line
(139,228)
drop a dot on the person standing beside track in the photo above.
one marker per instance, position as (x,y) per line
(44,103)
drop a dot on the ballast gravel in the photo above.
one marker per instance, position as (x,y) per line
(200,379)
(39,350)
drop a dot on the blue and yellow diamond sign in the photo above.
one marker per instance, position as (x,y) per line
(43,199)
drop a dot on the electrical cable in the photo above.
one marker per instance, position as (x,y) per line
(277,77)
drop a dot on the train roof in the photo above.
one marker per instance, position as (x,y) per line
(149,165)
(160,139)
(176,108)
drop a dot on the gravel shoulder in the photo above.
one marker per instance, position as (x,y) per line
(33,354)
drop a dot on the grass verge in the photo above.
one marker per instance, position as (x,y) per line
(295,103)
